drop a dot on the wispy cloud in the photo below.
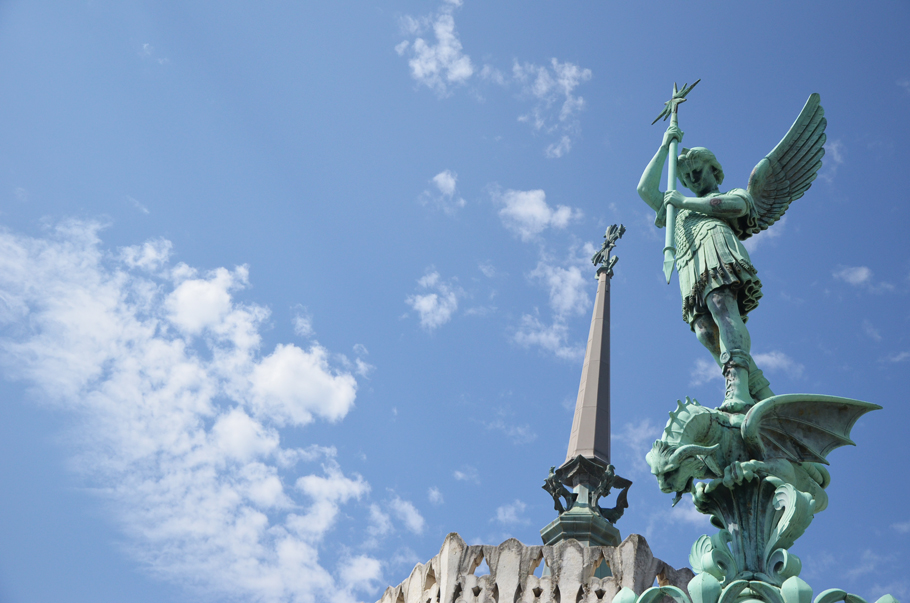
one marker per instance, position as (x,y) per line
(441,64)
(556,105)
(443,197)
(568,287)
(519,434)
(435,307)
(139,206)
(435,496)
(408,514)
(898,357)
(870,331)
(902,527)
(467,474)
(553,338)
(637,439)
(704,371)
(776,361)
(861,276)
(181,412)
(905,84)
(527,214)
(511,513)
(835,154)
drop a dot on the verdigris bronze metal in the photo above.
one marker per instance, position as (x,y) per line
(756,464)
(671,108)
(718,282)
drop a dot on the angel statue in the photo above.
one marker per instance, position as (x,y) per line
(718,282)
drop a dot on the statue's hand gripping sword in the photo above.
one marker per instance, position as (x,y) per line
(670,110)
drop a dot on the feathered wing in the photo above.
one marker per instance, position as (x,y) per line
(801,427)
(787,172)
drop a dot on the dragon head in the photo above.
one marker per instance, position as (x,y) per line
(683,455)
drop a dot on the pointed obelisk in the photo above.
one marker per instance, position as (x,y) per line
(587,475)
(590,436)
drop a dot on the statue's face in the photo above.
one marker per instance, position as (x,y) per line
(672,477)
(700,177)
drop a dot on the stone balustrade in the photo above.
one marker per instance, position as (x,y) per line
(449,576)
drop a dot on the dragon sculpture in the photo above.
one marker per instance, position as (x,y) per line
(738,467)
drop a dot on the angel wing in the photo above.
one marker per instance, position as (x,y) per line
(801,427)
(787,172)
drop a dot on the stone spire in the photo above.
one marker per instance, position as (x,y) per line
(590,436)
(587,475)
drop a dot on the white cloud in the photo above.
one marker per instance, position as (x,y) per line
(150,256)
(776,361)
(179,412)
(437,305)
(511,513)
(444,197)
(568,288)
(556,150)
(441,64)
(637,440)
(556,105)
(899,357)
(445,182)
(408,514)
(704,371)
(835,153)
(861,276)
(552,338)
(856,275)
(902,527)
(380,522)
(303,322)
(527,214)
(870,331)
(487,269)
(435,496)
(519,434)
(361,573)
(135,203)
(467,474)
(292,385)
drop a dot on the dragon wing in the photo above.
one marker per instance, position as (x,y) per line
(801,427)
(787,172)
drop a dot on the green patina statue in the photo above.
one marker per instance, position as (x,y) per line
(756,464)
(718,282)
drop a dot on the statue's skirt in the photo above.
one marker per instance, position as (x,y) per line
(716,259)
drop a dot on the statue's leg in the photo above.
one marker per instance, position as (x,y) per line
(706,330)
(735,344)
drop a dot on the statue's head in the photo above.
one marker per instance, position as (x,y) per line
(695,159)
(683,454)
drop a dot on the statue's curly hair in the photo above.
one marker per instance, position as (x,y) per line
(697,153)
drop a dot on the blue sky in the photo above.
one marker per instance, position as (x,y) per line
(289,291)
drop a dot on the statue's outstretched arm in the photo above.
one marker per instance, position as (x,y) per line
(649,185)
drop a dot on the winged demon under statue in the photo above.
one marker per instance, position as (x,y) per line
(757,463)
